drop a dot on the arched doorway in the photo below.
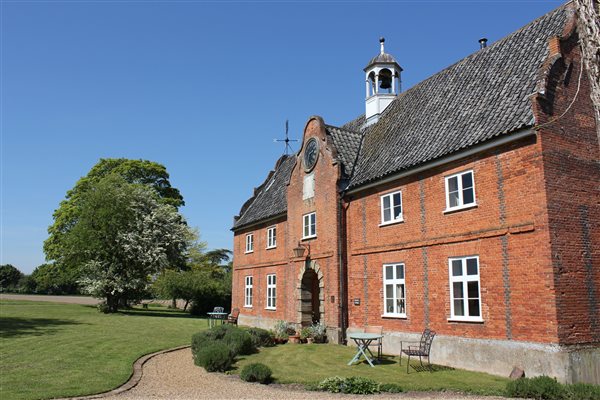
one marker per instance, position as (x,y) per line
(310,303)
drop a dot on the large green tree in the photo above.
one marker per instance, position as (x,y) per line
(9,277)
(124,235)
(52,279)
(206,280)
(142,172)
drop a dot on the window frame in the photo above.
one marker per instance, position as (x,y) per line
(271,292)
(272,238)
(249,243)
(464,279)
(248,291)
(392,205)
(393,281)
(461,205)
(304,225)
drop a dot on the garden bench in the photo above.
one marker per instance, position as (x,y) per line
(422,350)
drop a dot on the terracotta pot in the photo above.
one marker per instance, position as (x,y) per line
(294,339)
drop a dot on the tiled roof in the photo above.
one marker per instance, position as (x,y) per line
(483,96)
(355,125)
(270,198)
(347,144)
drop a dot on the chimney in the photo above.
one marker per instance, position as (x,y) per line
(482,43)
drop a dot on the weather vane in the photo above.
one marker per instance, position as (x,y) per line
(287,140)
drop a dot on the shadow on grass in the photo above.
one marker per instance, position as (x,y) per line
(427,368)
(159,313)
(14,326)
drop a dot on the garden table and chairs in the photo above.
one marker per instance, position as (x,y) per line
(218,314)
(363,340)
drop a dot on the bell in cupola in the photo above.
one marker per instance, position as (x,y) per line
(385,79)
(382,83)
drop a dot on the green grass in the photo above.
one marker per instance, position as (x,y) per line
(311,363)
(55,350)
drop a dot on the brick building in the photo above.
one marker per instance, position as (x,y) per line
(468,204)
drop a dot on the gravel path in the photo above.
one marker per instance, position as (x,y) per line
(174,376)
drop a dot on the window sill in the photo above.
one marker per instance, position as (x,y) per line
(309,237)
(270,308)
(394,222)
(396,316)
(247,306)
(248,252)
(474,320)
(272,247)
(460,208)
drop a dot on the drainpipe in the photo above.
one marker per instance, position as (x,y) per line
(341,266)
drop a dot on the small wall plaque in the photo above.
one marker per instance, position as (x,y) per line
(357,302)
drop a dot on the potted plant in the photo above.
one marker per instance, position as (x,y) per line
(305,334)
(295,338)
(282,331)
(318,332)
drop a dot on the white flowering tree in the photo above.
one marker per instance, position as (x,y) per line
(123,236)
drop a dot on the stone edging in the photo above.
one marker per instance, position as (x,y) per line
(133,380)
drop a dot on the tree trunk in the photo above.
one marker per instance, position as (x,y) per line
(123,302)
(186,304)
(174,303)
(112,303)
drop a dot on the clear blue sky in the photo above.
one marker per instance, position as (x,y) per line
(202,87)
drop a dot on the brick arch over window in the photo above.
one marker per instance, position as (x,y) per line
(308,266)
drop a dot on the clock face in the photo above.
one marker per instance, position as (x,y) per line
(311,153)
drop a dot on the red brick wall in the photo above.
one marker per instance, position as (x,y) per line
(259,264)
(536,230)
(323,248)
(507,230)
(281,261)
(572,182)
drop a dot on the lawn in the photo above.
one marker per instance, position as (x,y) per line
(53,350)
(311,363)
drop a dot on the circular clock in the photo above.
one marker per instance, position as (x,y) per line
(311,153)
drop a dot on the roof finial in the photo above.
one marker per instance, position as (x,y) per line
(381,42)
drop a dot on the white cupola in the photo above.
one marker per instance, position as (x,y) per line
(382,78)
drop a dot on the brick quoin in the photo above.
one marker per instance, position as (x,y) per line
(571,169)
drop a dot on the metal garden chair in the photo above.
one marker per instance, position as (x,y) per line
(422,350)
